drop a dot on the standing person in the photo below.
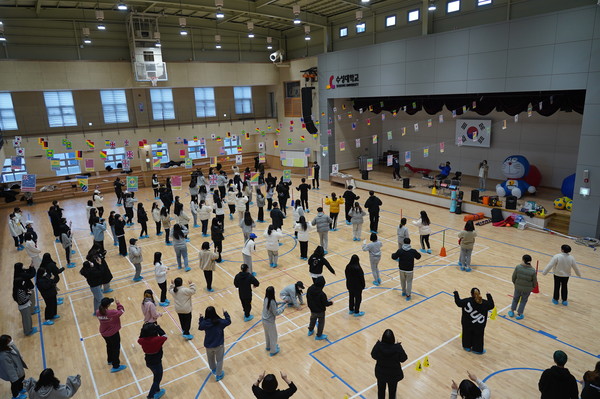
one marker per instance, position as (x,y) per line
(194,187)
(315,179)
(471,388)
(32,250)
(207,260)
(349,199)
(374,248)
(204,213)
(165,220)
(483,174)
(120,232)
(302,228)
(316,262)
(231,202)
(214,339)
(182,218)
(152,340)
(303,188)
(160,272)
(524,278)
(22,295)
(423,223)
(98,259)
(244,281)
(317,302)
(29,229)
(142,217)
(283,194)
(49,387)
(357,219)
(247,190)
(94,277)
(389,355)
(67,241)
(55,213)
(557,382)
(591,384)
(396,167)
(322,222)
(92,214)
(156,217)
(277,216)
(16,231)
(217,237)
(561,265)
(151,315)
(194,208)
(292,294)
(98,230)
(466,240)
(135,257)
(111,223)
(406,263)
(270,190)
(269,387)
(373,205)
(12,366)
(260,204)
(155,185)
(334,209)
(118,186)
(269,313)
(183,304)
(355,283)
(180,246)
(221,182)
(50,265)
(247,224)
(248,250)
(272,243)
(110,325)
(474,319)
(46,285)
(402,232)
(297,214)
(218,208)
(166,197)
(240,205)
(98,202)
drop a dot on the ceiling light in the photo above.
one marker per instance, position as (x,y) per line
(251,35)
(306,32)
(101,27)
(218,41)
(157,44)
(217,46)
(296,10)
(183,32)
(307,38)
(269,43)
(2,38)
(364,1)
(432,6)
(220,14)
(250,25)
(297,20)
(269,47)
(122,7)
(87,40)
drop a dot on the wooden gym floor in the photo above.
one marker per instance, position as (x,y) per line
(429,325)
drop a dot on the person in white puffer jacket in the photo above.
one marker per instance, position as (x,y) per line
(423,223)
(240,205)
(561,265)
(204,213)
(272,237)
(303,229)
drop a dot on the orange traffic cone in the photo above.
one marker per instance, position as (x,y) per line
(536,289)
(443,250)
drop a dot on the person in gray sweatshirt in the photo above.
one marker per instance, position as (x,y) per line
(374,248)
(402,232)
(406,263)
(357,219)
(524,278)
(322,222)
(135,256)
(49,387)
(98,229)
(292,294)
(269,313)
(180,246)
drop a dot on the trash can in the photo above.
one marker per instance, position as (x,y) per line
(364,174)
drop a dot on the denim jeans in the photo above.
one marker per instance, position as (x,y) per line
(181,252)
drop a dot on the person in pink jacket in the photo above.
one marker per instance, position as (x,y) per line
(110,324)
(151,315)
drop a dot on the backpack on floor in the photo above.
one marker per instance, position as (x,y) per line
(497,215)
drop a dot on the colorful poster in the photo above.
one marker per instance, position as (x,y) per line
(126,164)
(370,164)
(425,152)
(374,139)
(89,164)
(289,141)
(49,154)
(357,143)
(390,160)
(155,163)
(107,143)
(287,175)
(16,163)
(407,157)
(262,158)
(79,155)
(213,162)
(238,159)
(307,152)
(342,146)
(389,135)
(82,183)
(176,182)
(132,183)
(103,154)
(20,152)
(188,163)
(182,154)
(69,145)
(129,154)
(275,143)
(335,168)
(442,147)
(254,178)
(55,164)
(28,183)
(202,152)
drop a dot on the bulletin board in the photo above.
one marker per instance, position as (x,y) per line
(296,159)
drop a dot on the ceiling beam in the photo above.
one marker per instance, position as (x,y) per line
(38,7)
(149,7)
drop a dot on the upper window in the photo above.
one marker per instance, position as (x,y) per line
(243,99)
(390,20)
(114,106)
(205,102)
(12,173)
(8,120)
(162,104)
(114,157)
(453,6)
(344,31)
(361,27)
(196,150)
(60,108)
(161,152)
(413,15)
(231,145)
(68,164)
(483,2)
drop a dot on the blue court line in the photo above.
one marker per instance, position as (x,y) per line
(39,315)
(511,369)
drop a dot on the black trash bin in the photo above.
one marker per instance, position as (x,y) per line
(365,174)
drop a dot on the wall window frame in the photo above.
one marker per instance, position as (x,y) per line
(114,106)
(163,106)
(453,6)
(68,164)
(205,102)
(343,32)
(242,96)
(115,156)
(60,108)
(8,118)
(390,21)
(413,15)
(361,27)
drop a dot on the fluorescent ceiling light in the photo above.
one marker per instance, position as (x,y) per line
(307,38)
(101,27)
(269,47)
(218,46)
(122,6)
(220,14)
(183,32)
(2,39)
(157,44)
(297,20)
(87,40)
(251,35)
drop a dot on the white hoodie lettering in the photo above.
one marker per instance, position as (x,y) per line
(475,315)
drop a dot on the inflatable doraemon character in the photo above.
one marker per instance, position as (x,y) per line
(515,168)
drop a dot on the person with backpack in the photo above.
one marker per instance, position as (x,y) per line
(316,262)
(317,303)
(152,338)
(466,240)
(474,319)
(244,281)
(355,283)
(269,314)
(406,263)
(374,249)
(373,205)
(183,304)
(214,339)
(322,222)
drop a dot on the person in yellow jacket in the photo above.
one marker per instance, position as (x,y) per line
(334,209)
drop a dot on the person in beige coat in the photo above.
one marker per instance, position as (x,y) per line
(561,265)
(208,263)
(183,304)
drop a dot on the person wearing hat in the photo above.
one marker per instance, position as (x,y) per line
(244,281)
(349,198)
(248,250)
(292,294)
(110,325)
(98,200)
(135,256)
(557,382)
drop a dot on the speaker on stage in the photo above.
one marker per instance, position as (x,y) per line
(511,202)
(474,195)
(307,110)
(406,182)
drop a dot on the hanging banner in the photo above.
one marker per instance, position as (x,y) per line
(407,157)
(28,183)
(16,163)
(287,175)
(374,139)
(254,178)
(342,146)
(238,159)
(49,154)
(188,163)
(129,154)
(474,132)
(103,154)
(182,154)
(55,164)
(425,152)
(213,162)
(88,164)
(176,182)
(126,164)
(262,158)
(132,183)
(370,164)
(155,163)
(82,183)
(335,168)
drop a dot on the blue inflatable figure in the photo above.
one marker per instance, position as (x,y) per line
(568,186)
(515,168)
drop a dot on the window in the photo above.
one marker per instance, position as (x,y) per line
(163,150)
(162,104)
(60,108)
(8,120)
(344,31)
(390,21)
(361,27)
(453,6)
(243,100)
(68,164)
(483,2)
(413,15)
(114,156)
(196,150)
(230,145)
(114,106)
(9,174)
(205,102)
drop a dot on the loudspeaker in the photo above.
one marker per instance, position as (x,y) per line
(474,195)
(406,182)
(511,202)
(307,110)
(364,174)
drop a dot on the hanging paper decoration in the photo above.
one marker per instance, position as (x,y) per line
(228,134)
(140,144)
(335,168)
(317,122)
(213,136)
(416,127)
(219,139)
(129,154)
(322,113)
(89,164)
(221,150)
(289,141)
(20,152)
(369,122)
(287,176)
(441,119)
(342,146)
(189,163)
(474,105)
(325,150)
(41,140)
(353,126)
(238,159)
(429,123)
(504,124)
(55,164)
(382,116)
(79,155)
(334,109)
(291,129)
(374,139)
(159,142)
(344,106)
(261,145)
(126,142)
(202,152)
(82,183)
(182,154)
(176,183)
(390,160)
(103,154)
(69,145)
(213,162)
(404,131)
(262,158)
(371,108)
(155,163)
(370,164)
(132,183)
(389,135)
(275,143)
(307,152)
(339,117)
(349,114)
(425,152)
(304,126)
(529,111)
(302,139)
(239,149)
(407,157)
(45,144)
(28,183)
(357,141)
(454,113)
(278,130)
(394,112)
(107,143)
(329,132)
(464,108)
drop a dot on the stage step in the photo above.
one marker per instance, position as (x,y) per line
(560,223)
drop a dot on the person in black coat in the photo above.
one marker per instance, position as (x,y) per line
(355,283)
(406,263)
(315,180)
(46,284)
(142,217)
(389,355)
(474,319)
(217,237)
(317,302)
(283,194)
(244,281)
(276,216)
(51,267)
(557,382)
(120,233)
(303,188)
(166,196)
(316,262)
(373,204)
(118,185)
(349,198)
(55,214)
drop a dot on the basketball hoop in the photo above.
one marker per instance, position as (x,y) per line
(154,81)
